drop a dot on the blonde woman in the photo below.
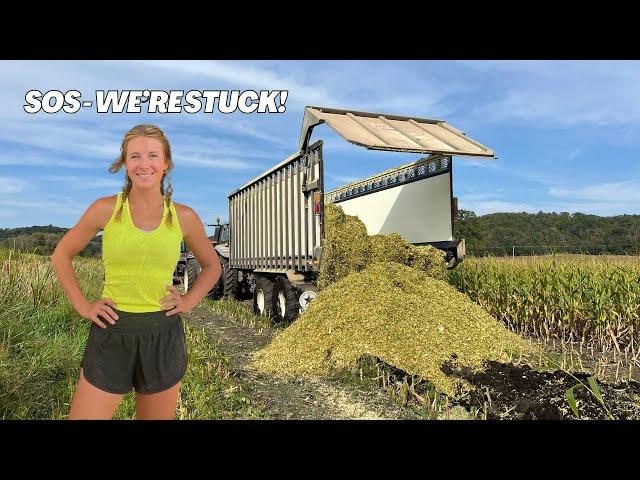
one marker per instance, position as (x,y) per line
(137,336)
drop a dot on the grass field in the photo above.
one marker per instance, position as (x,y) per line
(42,340)
(585,308)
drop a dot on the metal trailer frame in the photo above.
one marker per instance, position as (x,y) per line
(279,241)
(273,243)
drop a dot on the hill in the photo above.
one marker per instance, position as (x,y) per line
(492,234)
(496,233)
(43,240)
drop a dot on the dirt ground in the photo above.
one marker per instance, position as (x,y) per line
(293,398)
(518,392)
(503,391)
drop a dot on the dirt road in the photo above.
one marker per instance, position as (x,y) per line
(292,398)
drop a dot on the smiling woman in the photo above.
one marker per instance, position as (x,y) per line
(133,343)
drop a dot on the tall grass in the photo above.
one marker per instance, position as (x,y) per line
(42,340)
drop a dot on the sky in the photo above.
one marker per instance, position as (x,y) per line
(565,133)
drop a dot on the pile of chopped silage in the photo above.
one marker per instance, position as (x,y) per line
(398,314)
(347,248)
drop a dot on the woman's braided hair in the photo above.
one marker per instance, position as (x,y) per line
(150,131)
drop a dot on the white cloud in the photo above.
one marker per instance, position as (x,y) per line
(203,146)
(12,185)
(483,207)
(7,213)
(53,160)
(226,163)
(473,162)
(575,153)
(69,207)
(344,179)
(62,137)
(594,200)
(561,93)
(612,192)
(246,76)
(77,182)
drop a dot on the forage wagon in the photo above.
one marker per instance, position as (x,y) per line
(273,243)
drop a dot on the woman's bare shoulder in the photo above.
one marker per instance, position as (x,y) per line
(187,217)
(103,209)
(107,203)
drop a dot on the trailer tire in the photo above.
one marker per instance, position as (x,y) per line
(230,278)
(262,296)
(285,306)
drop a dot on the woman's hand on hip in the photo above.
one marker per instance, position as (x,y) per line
(102,308)
(175,302)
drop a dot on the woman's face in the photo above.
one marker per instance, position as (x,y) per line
(145,162)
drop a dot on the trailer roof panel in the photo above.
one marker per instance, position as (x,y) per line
(377,131)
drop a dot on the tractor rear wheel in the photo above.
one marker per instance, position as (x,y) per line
(191,271)
(217,291)
(230,278)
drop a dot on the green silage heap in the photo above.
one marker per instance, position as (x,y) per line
(347,249)
(398,314)
(383,297)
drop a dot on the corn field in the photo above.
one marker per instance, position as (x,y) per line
(594,302)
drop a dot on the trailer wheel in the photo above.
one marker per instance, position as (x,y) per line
(230,278)
(450,260)
(262,296)
(285,301)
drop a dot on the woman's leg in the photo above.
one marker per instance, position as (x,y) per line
(157,406)
(91,403)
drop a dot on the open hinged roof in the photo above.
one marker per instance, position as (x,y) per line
(381,131)
(378,131)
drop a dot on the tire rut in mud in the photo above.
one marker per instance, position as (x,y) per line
(297,398)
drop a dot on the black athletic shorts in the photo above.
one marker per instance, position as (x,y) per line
(145,351)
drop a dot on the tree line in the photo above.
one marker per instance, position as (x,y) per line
(541,233)
(493,234)
(43,240)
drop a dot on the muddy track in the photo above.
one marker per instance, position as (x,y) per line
(299,398)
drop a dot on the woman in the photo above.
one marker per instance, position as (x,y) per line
(137,336)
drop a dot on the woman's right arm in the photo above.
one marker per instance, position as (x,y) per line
(72,243)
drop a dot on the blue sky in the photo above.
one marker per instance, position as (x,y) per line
(566,133)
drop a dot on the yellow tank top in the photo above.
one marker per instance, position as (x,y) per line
(139,264)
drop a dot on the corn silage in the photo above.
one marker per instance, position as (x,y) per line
(381,296)
(398,314)
(347,248)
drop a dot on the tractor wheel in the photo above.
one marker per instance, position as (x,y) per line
(285,304)
(217,292)
(230,277)
(190,274)
(262,296)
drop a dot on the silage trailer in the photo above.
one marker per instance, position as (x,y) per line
(276,219)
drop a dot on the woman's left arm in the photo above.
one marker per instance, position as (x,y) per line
(196,240)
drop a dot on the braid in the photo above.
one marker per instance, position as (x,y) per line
(125,194)
(168,197)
